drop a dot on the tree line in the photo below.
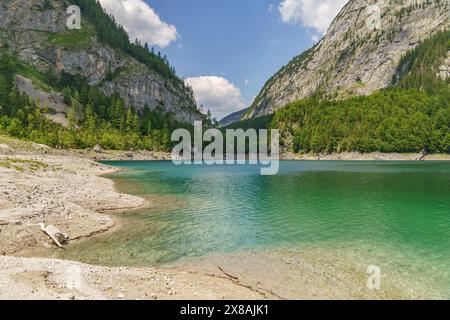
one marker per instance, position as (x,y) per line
(392,120)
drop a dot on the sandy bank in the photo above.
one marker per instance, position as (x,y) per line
(63,191)
(22,278)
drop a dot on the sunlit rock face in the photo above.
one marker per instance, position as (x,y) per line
(29,28)
(359,53)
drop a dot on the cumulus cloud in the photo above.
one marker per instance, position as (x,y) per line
(316,14)
(141,21)
(217,95)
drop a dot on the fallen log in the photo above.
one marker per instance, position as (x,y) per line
(227,274)
(55,234)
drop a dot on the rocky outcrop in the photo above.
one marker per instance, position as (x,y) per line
(36,31)
(52,101)
(359,53)
(32,15)
(444,69)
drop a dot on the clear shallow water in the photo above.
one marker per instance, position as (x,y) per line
(398,212)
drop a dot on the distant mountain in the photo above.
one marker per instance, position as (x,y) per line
(357,56)
(234,117)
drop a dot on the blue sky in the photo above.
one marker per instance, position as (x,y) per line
(227,49)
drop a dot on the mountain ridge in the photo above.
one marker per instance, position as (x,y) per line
(412,115)
(36,31)
(352,59)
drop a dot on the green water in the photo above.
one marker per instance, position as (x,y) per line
(398,212)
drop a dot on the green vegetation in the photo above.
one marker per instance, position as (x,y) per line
(111,33)
(72,39)
(255,123)
(412,116)
(22,165)
(394,120)
(31,73)
(419,67)
(93,118)
(46,5)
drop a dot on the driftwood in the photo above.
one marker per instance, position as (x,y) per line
(423,154)
(98,149)
(55,234)
(227,274)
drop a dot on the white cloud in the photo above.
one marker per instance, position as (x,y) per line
(316,14)
(141,21)
(217,95)
(246,82)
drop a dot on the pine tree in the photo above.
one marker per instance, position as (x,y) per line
(135,124)
(75,110)
(129,120)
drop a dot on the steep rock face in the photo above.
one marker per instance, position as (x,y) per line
(444,69)
(359,53)
(32,15)
(38,35)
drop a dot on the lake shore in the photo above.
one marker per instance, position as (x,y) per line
(373,156)
(65,189)
(15,147)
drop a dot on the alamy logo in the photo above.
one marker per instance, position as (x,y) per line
(73,21)
(235,142)
(374,280)
(73,278)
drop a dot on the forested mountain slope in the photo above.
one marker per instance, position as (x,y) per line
(357,56)
(100,52)
(113,92)
(412,115)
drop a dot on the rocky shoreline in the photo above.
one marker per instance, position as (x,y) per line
(65,189)
(61,189)
(374,156)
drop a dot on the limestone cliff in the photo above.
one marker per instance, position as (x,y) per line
(359,53)
(35,31)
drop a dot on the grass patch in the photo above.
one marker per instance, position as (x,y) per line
(34,75)
(22,165)
(72,39)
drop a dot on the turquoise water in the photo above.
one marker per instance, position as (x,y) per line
(400,210)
